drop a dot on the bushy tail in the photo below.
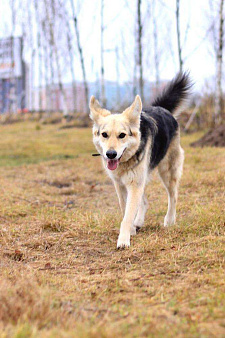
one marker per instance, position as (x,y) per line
(175,94)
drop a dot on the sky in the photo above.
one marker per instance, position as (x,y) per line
(119,21)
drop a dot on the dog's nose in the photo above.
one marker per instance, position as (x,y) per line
(111,154)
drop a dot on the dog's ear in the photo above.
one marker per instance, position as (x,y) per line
(133,112)
(96,111)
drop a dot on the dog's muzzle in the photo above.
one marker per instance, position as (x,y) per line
(113,163)
(111,154)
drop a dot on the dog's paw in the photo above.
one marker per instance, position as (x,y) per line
(138,223)
(168,221)
(123,241)
(133,231)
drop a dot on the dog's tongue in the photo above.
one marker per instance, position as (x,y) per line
(112,164)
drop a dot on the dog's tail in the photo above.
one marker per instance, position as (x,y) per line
(175,94)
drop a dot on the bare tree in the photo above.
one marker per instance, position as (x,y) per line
(80,50)
(37,14)
(12,88)
(103,98)
(135,65)
(70,49)
(219,61)
(49,58)
(140,61)
(50,20)
(212,27)
(63,14)
(31,43)
(117,76)
(178,35)
(46,66)
(156,51)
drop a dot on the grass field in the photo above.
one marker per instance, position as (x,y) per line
(60,272)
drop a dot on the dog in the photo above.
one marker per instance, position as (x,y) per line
(137,141)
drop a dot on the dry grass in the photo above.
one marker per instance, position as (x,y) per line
(60,272)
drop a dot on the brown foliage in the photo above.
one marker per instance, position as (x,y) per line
(213,138)
(23,299)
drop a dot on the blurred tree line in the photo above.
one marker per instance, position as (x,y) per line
(53,39)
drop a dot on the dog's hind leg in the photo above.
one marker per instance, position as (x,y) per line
(140,217)
(170,171)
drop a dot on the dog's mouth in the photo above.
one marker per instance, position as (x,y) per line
(113,164)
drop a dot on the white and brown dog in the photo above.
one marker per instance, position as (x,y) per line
(134,143)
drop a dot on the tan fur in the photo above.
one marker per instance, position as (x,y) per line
(170,171)
(132,175)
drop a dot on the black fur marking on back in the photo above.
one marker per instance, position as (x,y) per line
(161,136)
(174,93)
(158,123)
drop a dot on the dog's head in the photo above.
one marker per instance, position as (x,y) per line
(116,136)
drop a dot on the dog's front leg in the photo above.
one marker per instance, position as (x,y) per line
(122,195)
(134,198)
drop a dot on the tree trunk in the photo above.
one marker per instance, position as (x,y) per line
(156,54)
(219,61)
(55,48)
(52,89)
(178,35)
(46,64)
(40,108)
(32,68)
(117,77)
(65,21)
(103,98)
(13,83)
(72,70)
(140,63)
(135,65)
(81,57)
(50,51)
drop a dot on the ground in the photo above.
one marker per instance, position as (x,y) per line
(60,272)
(213,138)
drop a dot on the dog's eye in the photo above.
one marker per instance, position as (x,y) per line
(105,135)
(122,135)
